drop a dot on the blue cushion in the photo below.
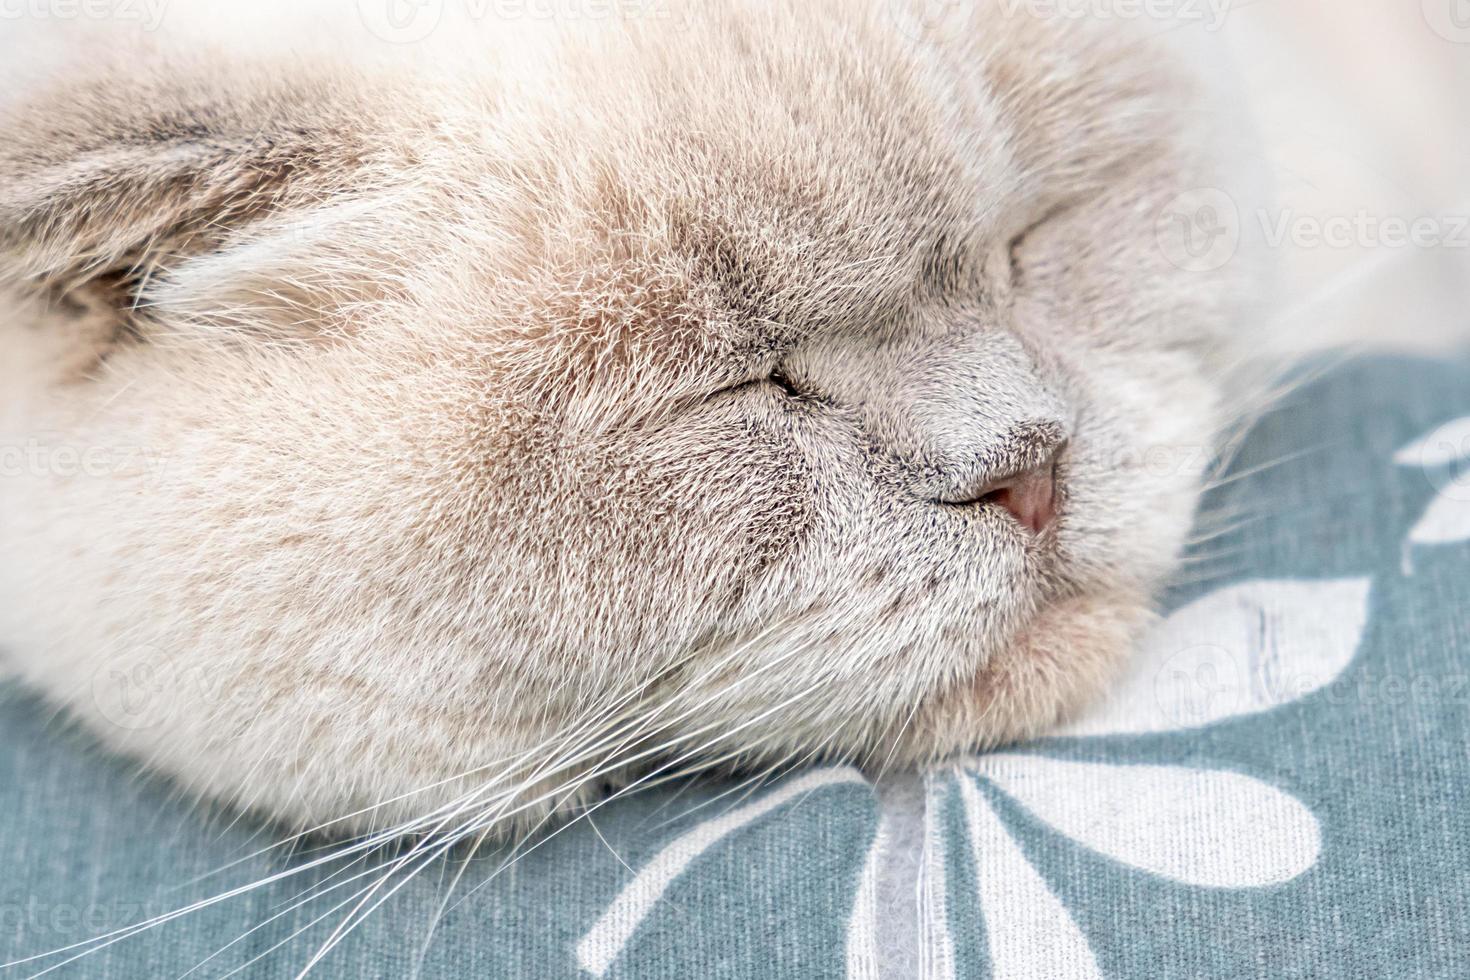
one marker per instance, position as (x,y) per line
(1277,789)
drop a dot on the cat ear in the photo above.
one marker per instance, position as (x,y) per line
(136,186)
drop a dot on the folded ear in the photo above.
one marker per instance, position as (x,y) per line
(113,185)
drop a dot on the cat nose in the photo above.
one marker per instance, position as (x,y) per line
(1029,495)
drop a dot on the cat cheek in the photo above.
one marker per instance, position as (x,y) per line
(776,518)
(1059,664)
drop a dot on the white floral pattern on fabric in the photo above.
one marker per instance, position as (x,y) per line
(1236,652)
(1205,827)
(1233,653)
(1241,650)
(1019,907)
(1447,520)
(602,945)
(863,959)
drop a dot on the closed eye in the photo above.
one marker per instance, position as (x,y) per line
(776,380)
(781,381)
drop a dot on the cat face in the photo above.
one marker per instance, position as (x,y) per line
(754,387)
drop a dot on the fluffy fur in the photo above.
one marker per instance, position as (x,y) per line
(436,462)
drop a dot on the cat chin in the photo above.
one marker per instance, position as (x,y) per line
(1062,662)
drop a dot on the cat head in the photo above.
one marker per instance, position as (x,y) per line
(757,386)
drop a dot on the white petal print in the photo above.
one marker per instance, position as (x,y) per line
(1208,828)
(1446,521)
(1243,649)
(1447,444)
(1031,934)
(1448,518)
(862,925)
(605,940)
(936,945)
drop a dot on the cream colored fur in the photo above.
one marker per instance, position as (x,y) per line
(430,450)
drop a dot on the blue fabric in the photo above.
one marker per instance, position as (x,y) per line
(1352,787)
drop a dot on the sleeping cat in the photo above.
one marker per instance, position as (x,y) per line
(436,442)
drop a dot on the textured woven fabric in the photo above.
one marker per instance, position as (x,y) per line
(1277,789)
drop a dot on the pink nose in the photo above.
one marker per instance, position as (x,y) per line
(1030,496)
